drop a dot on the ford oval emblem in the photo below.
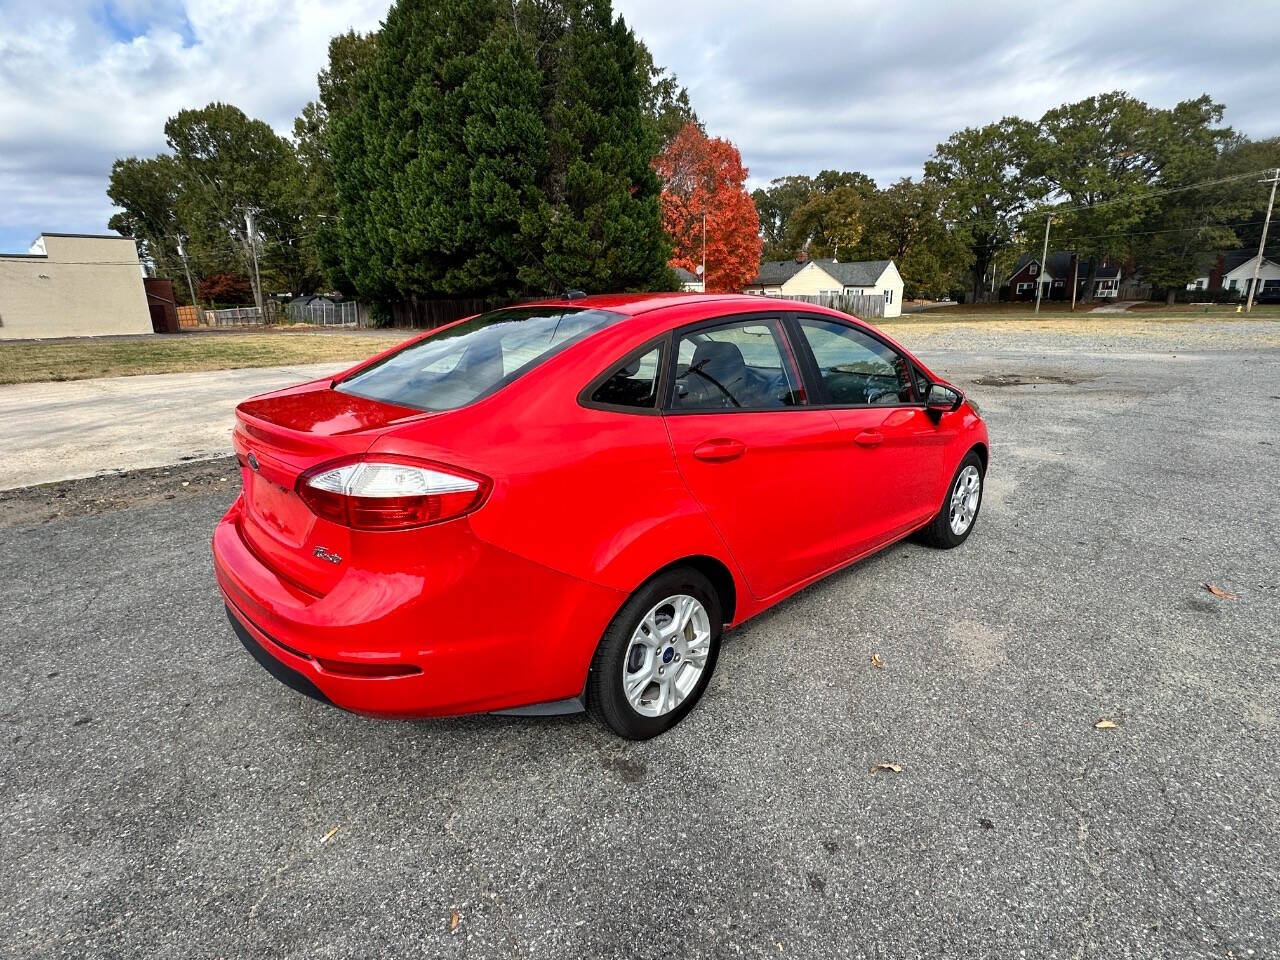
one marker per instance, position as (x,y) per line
(253,461)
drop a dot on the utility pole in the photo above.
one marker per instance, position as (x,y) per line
(251,238)
(191,287)
(704,251)
(1075,277)
(1044,255)
(1257,264)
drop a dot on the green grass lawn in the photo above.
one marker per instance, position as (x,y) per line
(82,358)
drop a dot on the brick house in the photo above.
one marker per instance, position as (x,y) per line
(1056,276)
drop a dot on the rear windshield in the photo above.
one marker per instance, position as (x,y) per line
(473,359)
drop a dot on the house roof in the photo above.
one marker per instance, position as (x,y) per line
(863,273)
(1235,259)
(777,272)
(686,276)
(1022,261)
(1058,267)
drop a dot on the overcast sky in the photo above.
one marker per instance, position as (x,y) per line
(798,86)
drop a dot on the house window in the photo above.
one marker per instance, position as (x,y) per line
(1023,287)
(1057,283)
(888,296)
(1232,285)
(1199,284)
(1032,269)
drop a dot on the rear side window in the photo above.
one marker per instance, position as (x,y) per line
(633,384)
(736,366)
(474,358)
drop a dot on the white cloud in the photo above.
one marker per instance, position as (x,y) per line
(82,84)
(875,86)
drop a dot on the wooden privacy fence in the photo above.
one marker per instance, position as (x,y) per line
(428,314)
(861,305)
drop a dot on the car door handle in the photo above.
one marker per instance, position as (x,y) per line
(720,449)
(869,438)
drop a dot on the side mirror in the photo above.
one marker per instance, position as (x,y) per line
(943,399)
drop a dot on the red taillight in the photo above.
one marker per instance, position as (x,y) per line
(390,493)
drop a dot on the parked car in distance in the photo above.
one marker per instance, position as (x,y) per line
(563,504)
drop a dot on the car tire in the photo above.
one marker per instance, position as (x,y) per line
(644,641)
(946,530)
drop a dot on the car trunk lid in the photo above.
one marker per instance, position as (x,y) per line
(278,438)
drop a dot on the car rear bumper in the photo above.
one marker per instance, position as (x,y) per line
(294,679)
(487,631)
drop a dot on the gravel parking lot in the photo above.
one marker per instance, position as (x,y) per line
(162,796)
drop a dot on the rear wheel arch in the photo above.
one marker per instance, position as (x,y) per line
(720,576)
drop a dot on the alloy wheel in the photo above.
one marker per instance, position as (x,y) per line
(666,656)
(964,499)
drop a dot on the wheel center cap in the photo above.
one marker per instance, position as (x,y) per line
(667,654)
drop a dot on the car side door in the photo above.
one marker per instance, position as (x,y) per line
(753,453)
(893,447)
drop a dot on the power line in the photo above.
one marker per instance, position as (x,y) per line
(1054,211)
(1146,233)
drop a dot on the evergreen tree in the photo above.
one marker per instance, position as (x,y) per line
(500,149)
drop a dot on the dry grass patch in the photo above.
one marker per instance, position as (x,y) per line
(80,359)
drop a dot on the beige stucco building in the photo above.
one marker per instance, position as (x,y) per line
(72,285)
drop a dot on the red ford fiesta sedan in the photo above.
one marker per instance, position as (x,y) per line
(561,505)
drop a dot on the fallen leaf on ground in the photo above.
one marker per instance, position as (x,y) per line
(1219,592)
(886,766)
(1105,725)
(454,918)
(877,662)
(186,483)
(329,836)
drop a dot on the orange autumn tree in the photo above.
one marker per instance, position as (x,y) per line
(703,173)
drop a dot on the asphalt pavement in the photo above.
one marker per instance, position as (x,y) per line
(79,428)
(161,796)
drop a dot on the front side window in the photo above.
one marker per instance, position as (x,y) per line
(856,369)
(632,384)
(738,366)
(474,358)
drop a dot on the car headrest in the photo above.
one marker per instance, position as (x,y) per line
(716,355)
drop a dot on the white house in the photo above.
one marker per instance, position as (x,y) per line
(689,282)
(1240,276)
(811,278)
(72,285)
